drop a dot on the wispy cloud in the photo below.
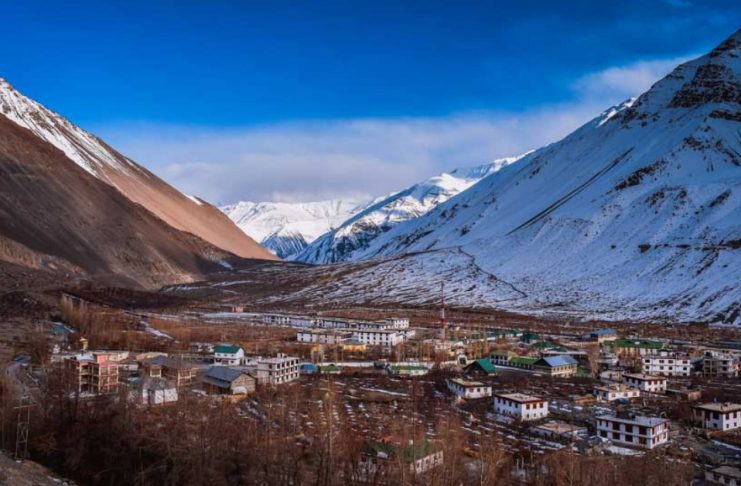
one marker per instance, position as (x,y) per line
(362,158)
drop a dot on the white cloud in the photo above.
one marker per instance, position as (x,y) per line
(362,158)
(625,81)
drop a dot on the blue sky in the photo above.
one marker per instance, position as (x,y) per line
(289,100)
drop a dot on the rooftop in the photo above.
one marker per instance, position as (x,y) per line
(223,373)
(643,376)
(466,383)
(559,427)
(226,349)
(519,397)
(638,343)
(485,364)
(720,407)
(637,420)
(561,360)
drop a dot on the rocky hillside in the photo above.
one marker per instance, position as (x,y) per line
(133,181)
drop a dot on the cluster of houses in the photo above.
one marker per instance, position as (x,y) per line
(387,333)
(155,378)
(647,367)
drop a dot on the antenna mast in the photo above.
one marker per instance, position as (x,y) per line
(443,322)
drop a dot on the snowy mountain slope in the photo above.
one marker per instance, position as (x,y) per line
(133,181)
(635,215)
(287,228)
(357,233)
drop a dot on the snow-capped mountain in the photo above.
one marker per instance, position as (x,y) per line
(133,181)
(355,235)
(287,228)
(635,215)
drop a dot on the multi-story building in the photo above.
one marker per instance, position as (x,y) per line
(666,364)
(522,407)
(278,370)
(646,383)
(720,365)
(617,391)
(561,366)
(631,348)
(396,323)
(322,336)
(379,337)
(468,389)
(718,416)
(636,431)
(93,372)
(177,370)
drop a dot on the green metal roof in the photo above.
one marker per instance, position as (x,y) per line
(523,360)
(330,368)
(637,343)
(409,368)
(485,364)
(226,349)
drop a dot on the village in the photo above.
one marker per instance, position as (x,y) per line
(599,393)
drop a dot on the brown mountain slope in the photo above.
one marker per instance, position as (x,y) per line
(136,183)
(55,216)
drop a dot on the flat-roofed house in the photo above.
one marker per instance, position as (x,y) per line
(718,416)
(636,431)
(468,389)
(277,371)
(157,391)
(93,372)
(379,337)
(666,364)
(646,383)
(555,429)
(561,365)
(325,336)
(520,406)
(401,370)
(720,365)
(221,380)
(635,347)
(616,391)
(177,370)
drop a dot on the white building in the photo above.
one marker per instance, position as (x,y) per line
(378,337)
(718,416)
(228,355)
(646,383)
(616,391)
(322,337)
(397,323)
(643,432)
(278,370)
(521,406)
(666,364)
(468,389)
(157,391)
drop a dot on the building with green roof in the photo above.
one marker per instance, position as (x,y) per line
(481,367)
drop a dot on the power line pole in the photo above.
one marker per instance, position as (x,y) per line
(21,434)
